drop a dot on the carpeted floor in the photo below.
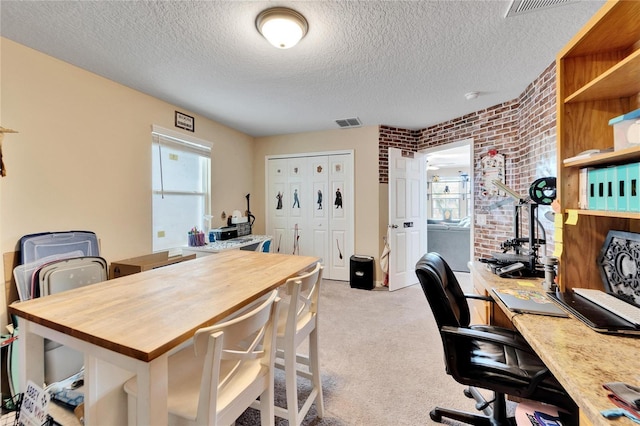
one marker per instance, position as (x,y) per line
(381,360)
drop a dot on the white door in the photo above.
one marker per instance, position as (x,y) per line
(320,206)
(310,208)
(277,212)
(340,201)
(407,216)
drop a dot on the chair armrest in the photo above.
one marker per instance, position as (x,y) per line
(484,336)
(478,297)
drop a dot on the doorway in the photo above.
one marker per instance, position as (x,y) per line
(450,202)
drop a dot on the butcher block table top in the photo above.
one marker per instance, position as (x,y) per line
(145,315)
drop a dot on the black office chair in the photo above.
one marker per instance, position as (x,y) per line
(483,356)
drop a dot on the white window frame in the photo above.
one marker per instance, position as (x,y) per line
(191,144)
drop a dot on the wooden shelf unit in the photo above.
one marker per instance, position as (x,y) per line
(598,78)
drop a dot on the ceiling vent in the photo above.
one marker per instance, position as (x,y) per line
(346,123)
(518,7)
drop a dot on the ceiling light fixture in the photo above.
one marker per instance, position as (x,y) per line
(282,27)
(471,95)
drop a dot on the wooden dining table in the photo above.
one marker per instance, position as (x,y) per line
(136,321)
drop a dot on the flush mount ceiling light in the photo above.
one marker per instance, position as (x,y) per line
(282,27)
(471,95)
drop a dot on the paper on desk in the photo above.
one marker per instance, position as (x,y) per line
(526,284)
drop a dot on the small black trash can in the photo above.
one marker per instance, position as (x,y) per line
(362,272)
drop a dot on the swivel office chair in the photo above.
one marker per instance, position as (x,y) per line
(483,356)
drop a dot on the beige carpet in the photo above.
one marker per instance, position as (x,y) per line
(381,360)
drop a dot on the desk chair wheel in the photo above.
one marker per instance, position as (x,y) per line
(469,418)
(435,415)
(467,393)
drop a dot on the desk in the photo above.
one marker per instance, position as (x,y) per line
(224,245)
(136,320)
(580,358)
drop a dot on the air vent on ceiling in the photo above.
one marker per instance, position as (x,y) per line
(518,7)
(346,123)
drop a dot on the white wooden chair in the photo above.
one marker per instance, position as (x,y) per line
(298,320)
(229,365)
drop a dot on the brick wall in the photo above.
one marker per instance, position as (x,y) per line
(393,137)
(523,130)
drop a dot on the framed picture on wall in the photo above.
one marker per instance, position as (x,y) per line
(184,121)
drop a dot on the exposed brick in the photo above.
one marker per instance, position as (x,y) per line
(523,129)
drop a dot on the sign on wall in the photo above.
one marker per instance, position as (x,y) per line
(185,121)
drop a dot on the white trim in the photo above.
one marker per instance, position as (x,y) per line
(472,213)
(457,144)
(161,131)
(308,154)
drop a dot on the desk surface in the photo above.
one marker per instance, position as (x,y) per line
(580,358)
(146,314)
(224,245)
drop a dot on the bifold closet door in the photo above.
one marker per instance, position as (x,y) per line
(341,227)
(310,209)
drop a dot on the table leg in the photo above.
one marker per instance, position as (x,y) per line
(153,383)
(31,355)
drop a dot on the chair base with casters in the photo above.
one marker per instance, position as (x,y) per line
(298,323)
(483,356)
(495,414)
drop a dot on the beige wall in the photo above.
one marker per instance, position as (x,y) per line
(82,157)
(364,142)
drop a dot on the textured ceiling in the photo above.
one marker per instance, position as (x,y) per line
(405,64)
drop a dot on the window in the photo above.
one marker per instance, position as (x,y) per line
(181,186)
(449,198)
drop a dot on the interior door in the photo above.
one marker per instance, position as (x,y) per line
(407,216)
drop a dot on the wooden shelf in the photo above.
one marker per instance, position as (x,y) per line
(607,213)
(614,26)
(620,81)
(616,157)
(598,78)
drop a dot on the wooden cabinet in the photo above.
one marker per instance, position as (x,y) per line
(598,78)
